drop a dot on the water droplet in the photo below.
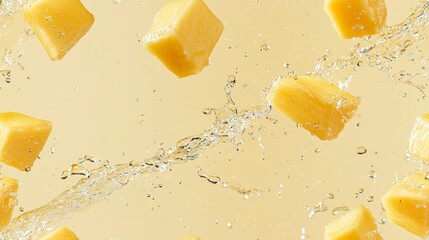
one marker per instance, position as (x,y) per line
(28,169)
(370,199)
(317,150)
(207,111)
(229,225)
(361,190)
(21,209)
(330,196)
(264,47)
(52,149)
(48,18)
(361,150)
(339,209)
(372,174)
(427,175)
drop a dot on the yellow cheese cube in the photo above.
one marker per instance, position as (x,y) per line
(357,18)
(22,139)
(8,193)
(62,233)
(407,204)
(183,35)
(59,25)
(320,107)
(419,139)
(358,224)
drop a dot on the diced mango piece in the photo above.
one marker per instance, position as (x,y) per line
(419,139)
(62,233)
(358,224)
(8,193)
(59,25)
(22,139)
(191,238)
(357,18)
(407,204)
(183,35)
(320,107)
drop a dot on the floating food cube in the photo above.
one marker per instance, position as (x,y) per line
(357,18)
(22,139)
(8,193)
(320,107)
(407,204)
(59,25)
(62,233)
(183,35)
(419,139)
(358,224)
(191,238)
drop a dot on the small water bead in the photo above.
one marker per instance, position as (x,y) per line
(207,111)
(320,207)
(339,209)
(426,175)
(317,150)
(229,225)
(361,150)
(382,221)
(75,169)
(48,18)
(28,169)
(370,199)
(303,234)
(52,149)
(361,190)
(264,47)
(372,174)
(330,196)
(21,209)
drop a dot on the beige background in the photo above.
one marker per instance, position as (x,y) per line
(110,98)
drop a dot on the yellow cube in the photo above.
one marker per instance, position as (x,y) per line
(62,233)
(358,224)
(419,139)
(320,107)
(407,204)
(8,193)
(357,18)
(59,25)
(22,139)
(183,35)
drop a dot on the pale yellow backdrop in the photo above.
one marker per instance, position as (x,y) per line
(110,98)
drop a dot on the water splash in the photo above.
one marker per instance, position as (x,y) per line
(382,51)
(228,127)
(14,32)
